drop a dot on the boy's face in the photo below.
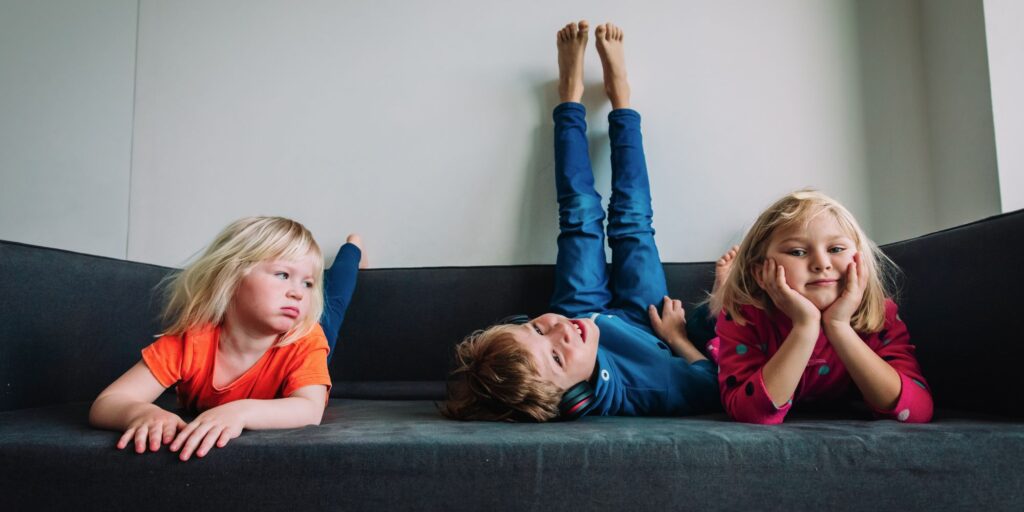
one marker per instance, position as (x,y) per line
(815,257)
(564,351)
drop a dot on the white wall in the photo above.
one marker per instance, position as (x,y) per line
(66,81)
(960,134)
(426,126)
(1006,54)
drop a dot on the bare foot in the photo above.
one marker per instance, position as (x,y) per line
(357,241)
(613,60)
(722,267)
(572,41)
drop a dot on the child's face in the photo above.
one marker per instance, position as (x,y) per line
(564,351)
(815,257)
(275,295)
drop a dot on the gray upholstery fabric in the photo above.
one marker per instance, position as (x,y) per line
(72,323)
(400,455)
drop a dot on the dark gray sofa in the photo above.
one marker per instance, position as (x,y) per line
(72,323)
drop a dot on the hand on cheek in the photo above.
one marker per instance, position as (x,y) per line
(772,279)
(856,281)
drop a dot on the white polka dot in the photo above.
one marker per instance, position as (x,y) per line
(903,415)
(604,375)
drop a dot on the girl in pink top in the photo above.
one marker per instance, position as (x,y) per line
(804,314)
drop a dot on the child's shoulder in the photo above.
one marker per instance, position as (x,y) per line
(892,314)
(315,338)
(752,317)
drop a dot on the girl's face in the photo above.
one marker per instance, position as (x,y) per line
(815,256)
(274,296)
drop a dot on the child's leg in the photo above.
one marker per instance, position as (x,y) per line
(581,280)
(638,278)
(339,283)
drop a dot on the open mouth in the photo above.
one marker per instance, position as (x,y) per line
(580,329)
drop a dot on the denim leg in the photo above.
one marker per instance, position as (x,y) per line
(339,284)
(637,277)
(581,273)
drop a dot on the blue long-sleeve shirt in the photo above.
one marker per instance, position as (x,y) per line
(638,375)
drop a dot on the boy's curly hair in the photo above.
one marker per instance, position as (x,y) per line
(495,379)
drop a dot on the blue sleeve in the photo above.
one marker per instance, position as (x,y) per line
(339,283)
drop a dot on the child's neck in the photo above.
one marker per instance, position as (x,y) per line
(235,338)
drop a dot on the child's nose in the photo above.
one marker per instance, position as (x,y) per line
(821,261)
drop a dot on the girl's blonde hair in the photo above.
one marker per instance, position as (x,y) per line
(741,288)
(201,292)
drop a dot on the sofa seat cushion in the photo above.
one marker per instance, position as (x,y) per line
(402,455)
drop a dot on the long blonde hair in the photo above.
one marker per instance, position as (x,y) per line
(201,292)
(802,206)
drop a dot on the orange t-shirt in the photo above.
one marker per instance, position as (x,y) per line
(188,361)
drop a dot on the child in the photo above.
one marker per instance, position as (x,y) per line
(243,346)
(804,313)
(599,351)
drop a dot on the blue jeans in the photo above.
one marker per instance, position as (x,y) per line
(584,283)
(339,284)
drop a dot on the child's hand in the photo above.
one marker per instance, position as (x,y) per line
(215,426)
(155,426)
(671,324)
(772,279)
(841,311)
(357,241)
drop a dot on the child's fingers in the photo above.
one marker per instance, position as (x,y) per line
(183,435)
(127,436)
(193,440)
(677,305)
(653,313)
(227,435)
(208,440)
(140,439)
(155,436)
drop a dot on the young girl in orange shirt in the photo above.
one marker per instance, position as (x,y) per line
(243,345)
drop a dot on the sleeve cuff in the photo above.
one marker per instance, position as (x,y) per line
(753,405)
(914,404)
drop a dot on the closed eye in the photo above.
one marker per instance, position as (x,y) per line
(537,330)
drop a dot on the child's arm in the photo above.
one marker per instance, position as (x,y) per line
(670,326)
(127,404)
(880,382)
(225,422)
(783,371)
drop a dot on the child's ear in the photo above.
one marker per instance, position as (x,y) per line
(756,270)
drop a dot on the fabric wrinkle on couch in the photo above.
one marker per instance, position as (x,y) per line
(72,323)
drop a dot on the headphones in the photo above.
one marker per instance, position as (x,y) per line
(576,400)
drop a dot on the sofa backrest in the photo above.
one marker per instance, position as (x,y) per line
(960,299)
(72,323)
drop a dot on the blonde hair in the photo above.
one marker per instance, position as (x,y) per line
(201,293)
(495,379)
(802,206)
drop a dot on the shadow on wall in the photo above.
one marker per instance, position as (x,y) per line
(538,214)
